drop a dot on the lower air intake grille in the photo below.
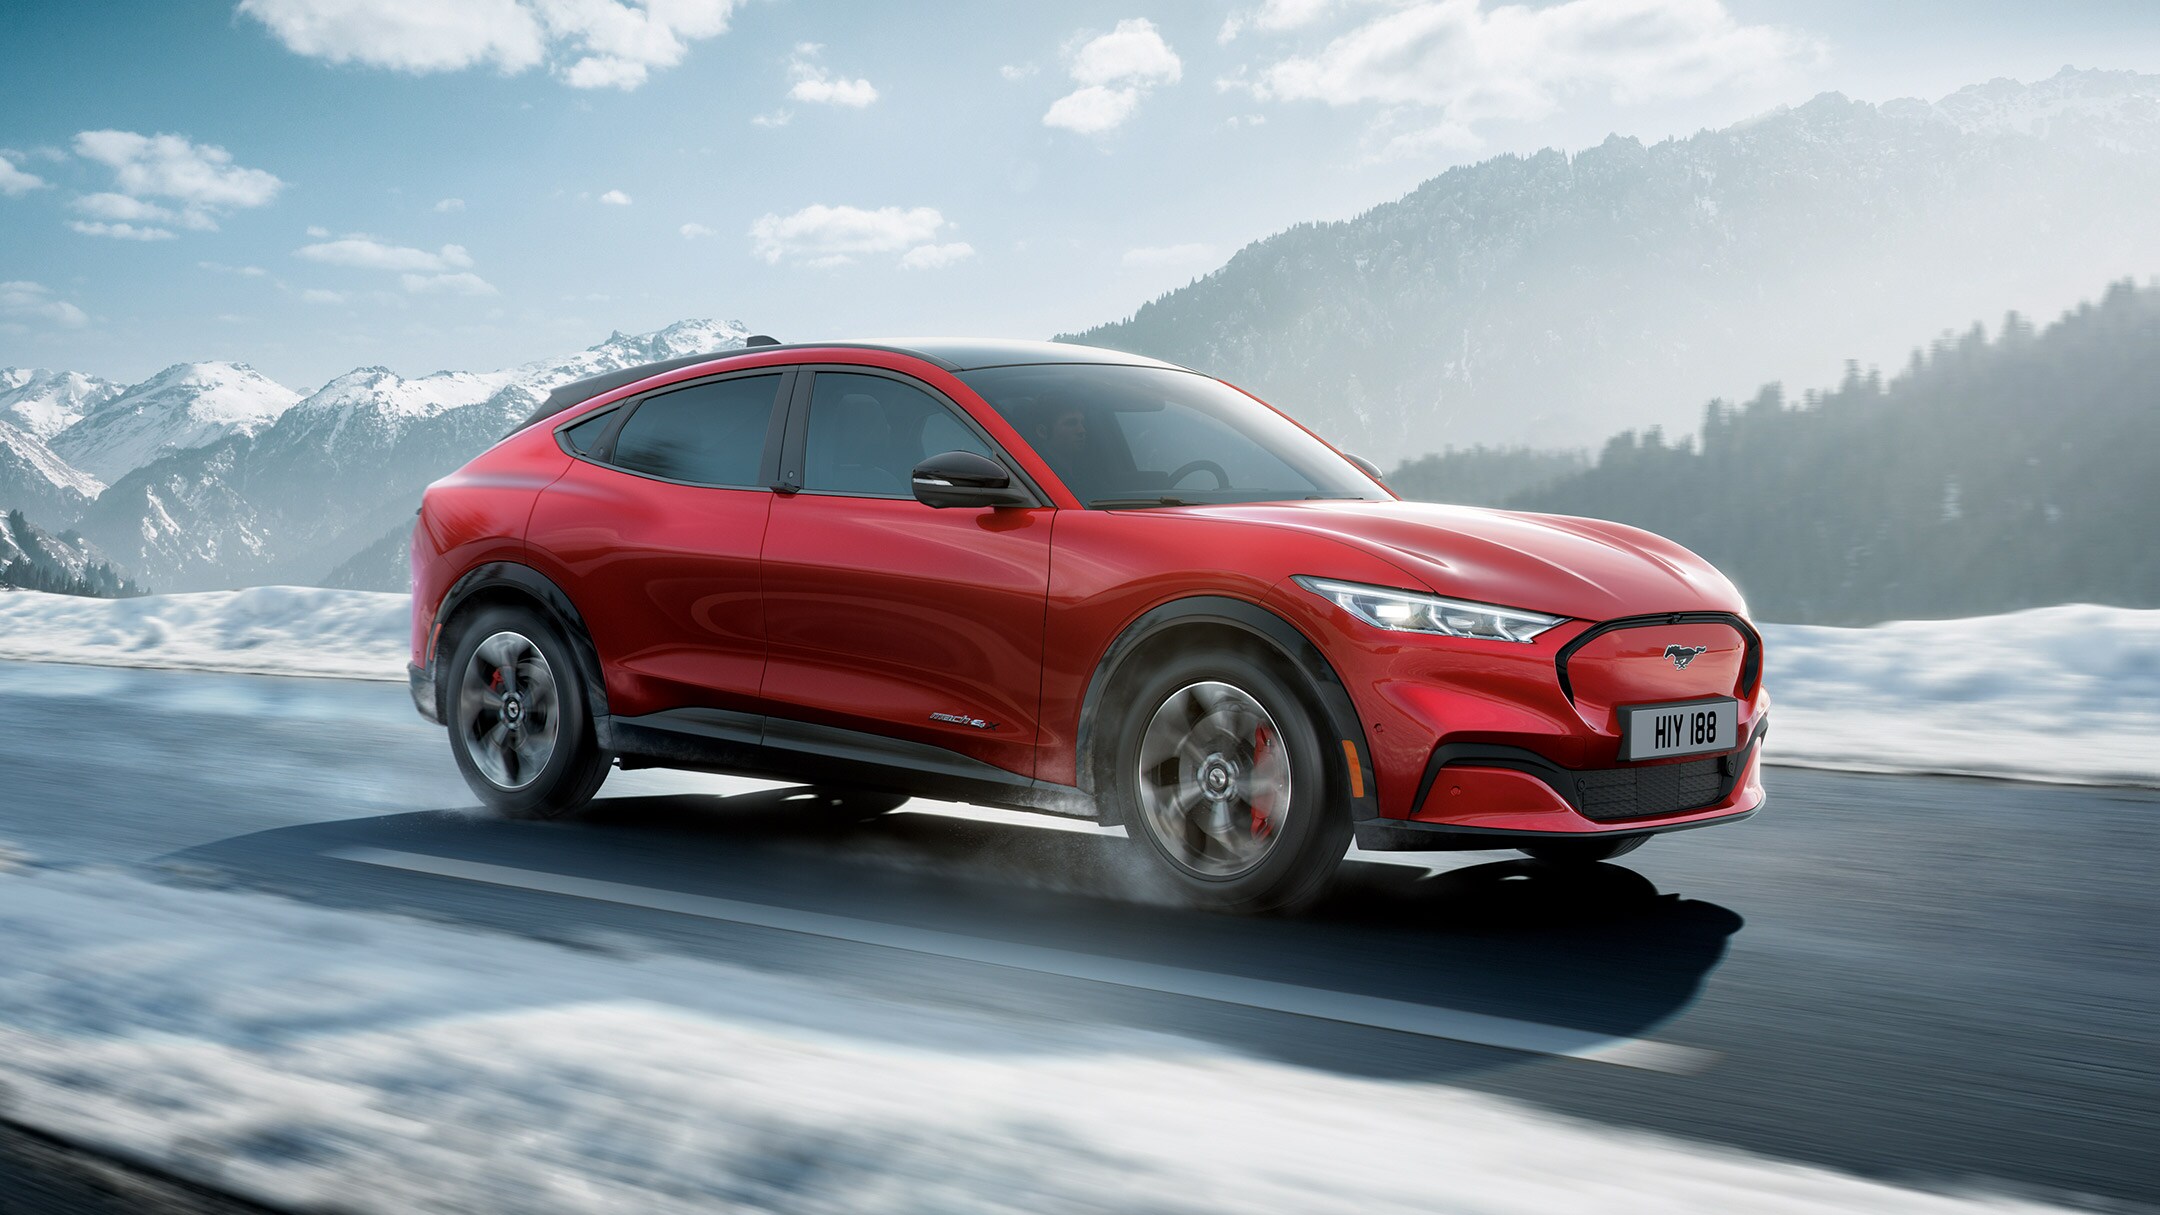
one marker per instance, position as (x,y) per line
(1637,792)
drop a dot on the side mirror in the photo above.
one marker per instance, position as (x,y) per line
(966,478)
(1366,466)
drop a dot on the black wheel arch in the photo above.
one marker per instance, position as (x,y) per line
(512,583)
(1329,698)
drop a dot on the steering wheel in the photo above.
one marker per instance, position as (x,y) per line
(1189,467)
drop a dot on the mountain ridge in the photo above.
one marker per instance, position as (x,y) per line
(1537,299)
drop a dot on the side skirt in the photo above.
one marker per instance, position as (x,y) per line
(776,748)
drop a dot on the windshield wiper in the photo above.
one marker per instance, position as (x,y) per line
(1119,503)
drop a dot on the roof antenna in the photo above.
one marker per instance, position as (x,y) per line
(761,339)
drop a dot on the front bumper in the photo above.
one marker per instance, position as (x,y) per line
(1485,797)
(422,680)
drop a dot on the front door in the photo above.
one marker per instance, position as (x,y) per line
(889,617)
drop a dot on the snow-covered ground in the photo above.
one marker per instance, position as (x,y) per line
(2060,694)
(269,630)
(319,1060)
(2067,694)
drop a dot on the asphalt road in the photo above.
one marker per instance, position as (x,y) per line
(1938,981)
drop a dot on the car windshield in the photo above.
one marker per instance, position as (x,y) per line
(1150,436)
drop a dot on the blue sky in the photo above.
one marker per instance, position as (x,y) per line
(311,185)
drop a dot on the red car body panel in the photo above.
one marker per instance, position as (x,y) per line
(668,580)
(881,612)
(871,614)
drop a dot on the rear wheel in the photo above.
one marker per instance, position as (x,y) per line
(1582,852)
(1220,779)
(520,728)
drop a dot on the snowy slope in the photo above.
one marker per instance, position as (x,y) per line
(2069,694)
(186,405)
(277,630)
(22,539)
(34,477)
(48,402)
(320,1060)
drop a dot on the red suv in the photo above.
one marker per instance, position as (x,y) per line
(1056,578)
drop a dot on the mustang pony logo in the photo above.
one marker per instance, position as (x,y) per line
(1682,655)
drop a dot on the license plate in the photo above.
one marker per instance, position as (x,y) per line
(1688,727)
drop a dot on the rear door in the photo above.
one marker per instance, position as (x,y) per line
(888,617)
(656,531)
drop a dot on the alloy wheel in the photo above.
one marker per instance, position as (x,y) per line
(1213,779)
(508,710)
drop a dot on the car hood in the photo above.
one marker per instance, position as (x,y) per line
(1584,568)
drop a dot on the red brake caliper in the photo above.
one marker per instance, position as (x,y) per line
(1263,801)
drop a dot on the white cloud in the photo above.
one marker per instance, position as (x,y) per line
(615,198)
(1275,16)
(316,295)
(27,301)
(367,253)
(696,231)
(123,209)
(586,43)
(1114,71)
(777,118)
(1157,257)
(448,205)
(1133,53)
(242,271)
(815,85)
(1464,63)
(830,236)
(15,182)
(446,284)
(121,231)
(1093,110)
(936,257)
(200,177)
(317,231)
(1017,71)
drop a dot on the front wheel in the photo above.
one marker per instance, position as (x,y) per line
(520,728)
(1221,778)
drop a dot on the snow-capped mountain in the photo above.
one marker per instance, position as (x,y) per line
(1556,298)
(184,406)
(48,402)
(34,477)
(341,469)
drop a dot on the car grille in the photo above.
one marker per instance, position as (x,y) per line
(1636,792)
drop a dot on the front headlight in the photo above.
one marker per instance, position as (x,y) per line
(1415,612)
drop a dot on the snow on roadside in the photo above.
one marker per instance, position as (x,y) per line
(318,1059)
(2068,694)
(268,630)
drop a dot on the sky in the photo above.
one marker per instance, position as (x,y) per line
(313,185)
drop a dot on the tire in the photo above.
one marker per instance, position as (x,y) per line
(1582,852)
(519,724)
(1220,777)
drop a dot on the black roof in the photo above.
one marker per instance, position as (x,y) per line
(949,354)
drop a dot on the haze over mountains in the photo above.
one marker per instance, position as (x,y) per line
(1553,299)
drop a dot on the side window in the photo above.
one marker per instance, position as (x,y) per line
(581,436)
(867,433)
(707,434)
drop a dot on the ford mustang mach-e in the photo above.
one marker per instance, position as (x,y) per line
(1066,579)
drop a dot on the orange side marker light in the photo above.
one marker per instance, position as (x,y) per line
(1357,770)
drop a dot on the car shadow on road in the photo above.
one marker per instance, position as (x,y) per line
(1598,947)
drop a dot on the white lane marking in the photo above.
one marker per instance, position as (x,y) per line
(1480,1029)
